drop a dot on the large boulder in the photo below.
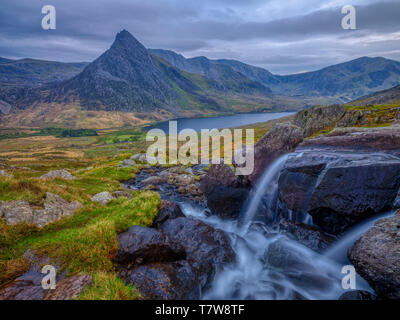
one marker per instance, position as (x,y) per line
(169,210)
(339,189)
(55,208)
(225,192)
(166,270)
(141,245)
(376,257)
(280,140)
(207,249)
(165,281)
(318,118)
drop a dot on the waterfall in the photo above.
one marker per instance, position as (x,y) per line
(338,251)
(266,185)
(270,265)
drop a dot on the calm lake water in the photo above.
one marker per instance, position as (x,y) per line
(234,121)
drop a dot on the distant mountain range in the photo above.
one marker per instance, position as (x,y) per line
(389,96)
(337,84)
(161,83)
(31,72)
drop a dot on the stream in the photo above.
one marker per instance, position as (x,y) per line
(270,265)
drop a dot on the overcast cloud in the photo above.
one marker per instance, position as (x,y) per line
(282,36)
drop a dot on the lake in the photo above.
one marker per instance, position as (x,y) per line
(233,121)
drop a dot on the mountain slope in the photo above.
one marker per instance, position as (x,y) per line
(344,82)
(31,72)
(334,84)
(225,76)
(128,78)
(389,96)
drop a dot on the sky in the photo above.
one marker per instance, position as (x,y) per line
(282,36)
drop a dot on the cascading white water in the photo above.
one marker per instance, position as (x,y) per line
(338,251)
(267,184)
(270,265)
(297,273)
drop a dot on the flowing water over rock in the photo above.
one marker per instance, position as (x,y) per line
(270,264)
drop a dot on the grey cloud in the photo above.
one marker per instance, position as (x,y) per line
(215,28)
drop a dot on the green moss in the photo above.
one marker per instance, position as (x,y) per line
(107,286)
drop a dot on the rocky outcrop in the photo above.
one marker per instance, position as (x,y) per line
(339,189)
(280,140)
(60,174)
(165,269)
(69,288)
(14,212)
(225,192)
(376,257)
(140,245)
(29,287)
(55,208)
(318,118)
(358,139)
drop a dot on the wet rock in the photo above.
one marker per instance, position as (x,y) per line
(169,210)
(140,245)
(4,173)
(225,192)
(339,189)
(280,140)
(154,180)
(285,257)
(14,212)
(376,257)
(308,236)
(61,174)
(102,197)
(127,163)
(357,295)
(207,249)
(318,118)
(122,193)
(165,281)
